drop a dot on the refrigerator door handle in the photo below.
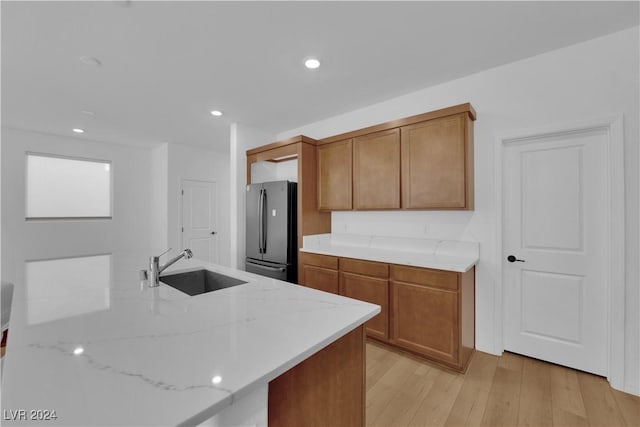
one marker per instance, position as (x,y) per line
(263,213)
(260,208)
(265,267)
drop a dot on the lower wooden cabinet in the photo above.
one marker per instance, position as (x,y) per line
(320,272)
(373,290)
(434,313)
(425,311)
(425,320)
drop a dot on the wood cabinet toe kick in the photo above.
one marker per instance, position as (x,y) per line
(427,312)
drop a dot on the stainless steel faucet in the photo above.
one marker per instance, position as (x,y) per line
(155,268)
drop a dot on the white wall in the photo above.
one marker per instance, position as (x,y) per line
(274,171)
(128,230)
(159,198)
(242,138)
(594,79)
(185,162)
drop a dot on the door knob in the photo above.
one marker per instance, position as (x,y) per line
(213,232)
(512,258)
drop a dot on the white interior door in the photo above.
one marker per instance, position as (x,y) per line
(199,232)
(556,210)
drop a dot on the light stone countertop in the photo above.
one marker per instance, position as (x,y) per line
(89,341)
(448,255)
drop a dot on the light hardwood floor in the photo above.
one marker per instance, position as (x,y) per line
(510,390)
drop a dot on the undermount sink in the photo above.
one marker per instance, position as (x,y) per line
(199,281)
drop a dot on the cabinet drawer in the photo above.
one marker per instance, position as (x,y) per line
(325,261)
(321,279)
(425,276)
(368,268)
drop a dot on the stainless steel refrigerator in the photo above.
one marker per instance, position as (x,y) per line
(272,241)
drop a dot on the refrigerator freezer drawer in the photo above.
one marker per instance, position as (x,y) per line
(275,271)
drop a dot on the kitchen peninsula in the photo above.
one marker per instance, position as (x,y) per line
(116,352)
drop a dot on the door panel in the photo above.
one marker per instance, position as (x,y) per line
(376,170)
(276,229)
(334,176)
(552,305)
(555,216)
(553,219)
(425,320)
(373,290)
(433,164)
(199,219)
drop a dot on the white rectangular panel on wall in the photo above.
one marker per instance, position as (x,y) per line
(61,187)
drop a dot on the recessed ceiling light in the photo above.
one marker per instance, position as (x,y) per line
(78,351)
(312,63)
(90,60)
(217,379)
(78,130)
(216,113)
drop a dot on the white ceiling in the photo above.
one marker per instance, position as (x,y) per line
(166,64)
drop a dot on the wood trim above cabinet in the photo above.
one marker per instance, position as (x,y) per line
(280,144)
(456,109)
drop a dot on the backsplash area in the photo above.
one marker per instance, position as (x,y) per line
(450,225)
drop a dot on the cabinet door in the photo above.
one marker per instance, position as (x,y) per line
(320,278)
(334,176)
(373,290)
(434,164)
(376,170)
(425,320)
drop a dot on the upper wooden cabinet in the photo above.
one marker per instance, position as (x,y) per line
(376,170)
(334,176)
(418,162)
(437,164)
